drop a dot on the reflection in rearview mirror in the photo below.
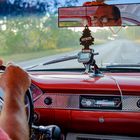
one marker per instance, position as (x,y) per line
(100,16)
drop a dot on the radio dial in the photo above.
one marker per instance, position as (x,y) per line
(138,103)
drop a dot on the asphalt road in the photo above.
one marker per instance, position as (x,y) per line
(114,52)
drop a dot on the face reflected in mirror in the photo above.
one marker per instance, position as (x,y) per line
(108,15)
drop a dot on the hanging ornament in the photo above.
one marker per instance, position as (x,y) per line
(86,40)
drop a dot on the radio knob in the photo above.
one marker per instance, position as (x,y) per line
(138,103)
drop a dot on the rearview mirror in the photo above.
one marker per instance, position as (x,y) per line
(100,16)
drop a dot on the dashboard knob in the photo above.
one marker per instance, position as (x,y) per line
(138,103)
(48,101)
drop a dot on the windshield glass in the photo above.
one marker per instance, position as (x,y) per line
(30,36)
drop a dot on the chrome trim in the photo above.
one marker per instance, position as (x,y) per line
(130,103)
(81,136)
(71,102)
(1,104)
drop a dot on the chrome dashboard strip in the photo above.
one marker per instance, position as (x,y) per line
(82,136)
(71,102)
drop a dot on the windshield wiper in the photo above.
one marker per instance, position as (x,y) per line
(62,59)
(66,58)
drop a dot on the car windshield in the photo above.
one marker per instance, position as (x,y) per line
(30,36)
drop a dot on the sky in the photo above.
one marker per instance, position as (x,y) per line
(82,1)
(124,1)
(52,5)
(115,1)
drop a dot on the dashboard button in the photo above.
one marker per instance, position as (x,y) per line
(48,101)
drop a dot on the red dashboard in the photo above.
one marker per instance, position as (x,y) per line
(109,104)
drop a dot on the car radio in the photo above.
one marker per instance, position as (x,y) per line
(100,102)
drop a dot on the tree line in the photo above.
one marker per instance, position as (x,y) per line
(28,34)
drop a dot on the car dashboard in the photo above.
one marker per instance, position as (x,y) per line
(88,106)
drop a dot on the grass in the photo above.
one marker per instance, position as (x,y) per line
(33,55)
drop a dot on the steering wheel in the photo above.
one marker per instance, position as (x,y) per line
(28,102)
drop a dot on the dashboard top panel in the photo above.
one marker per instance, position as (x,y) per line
(77,81)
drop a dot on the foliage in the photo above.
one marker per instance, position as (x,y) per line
(24,7)
(21,32)
(31,34)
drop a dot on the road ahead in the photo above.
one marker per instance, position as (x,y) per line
(118,51)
